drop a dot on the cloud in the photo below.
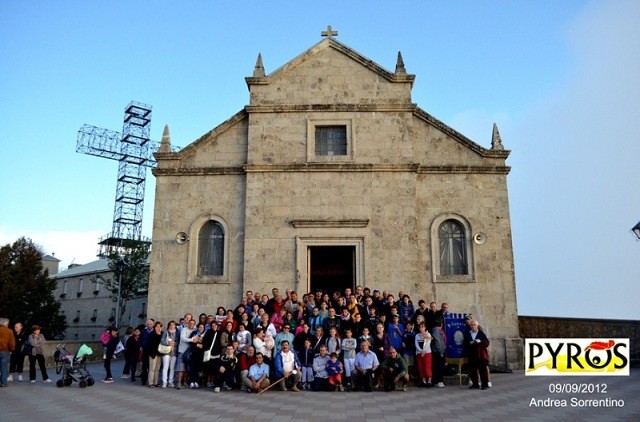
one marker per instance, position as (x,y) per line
(67,246)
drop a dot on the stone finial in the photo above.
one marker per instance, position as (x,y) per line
(258,70)
(400,64)
(496,140)
(165,143)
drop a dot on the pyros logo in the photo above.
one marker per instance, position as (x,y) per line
(576,356)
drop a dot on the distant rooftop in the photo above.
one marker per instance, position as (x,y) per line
(98,266)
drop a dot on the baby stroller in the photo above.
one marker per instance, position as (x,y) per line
(73,368)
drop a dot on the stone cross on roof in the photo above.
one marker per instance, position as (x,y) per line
(329,33)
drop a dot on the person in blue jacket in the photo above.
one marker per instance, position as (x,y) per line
(395,331)
(287,365)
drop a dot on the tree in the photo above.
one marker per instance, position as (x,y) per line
(133,276)
(26,291)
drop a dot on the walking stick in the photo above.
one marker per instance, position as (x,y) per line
(277,382)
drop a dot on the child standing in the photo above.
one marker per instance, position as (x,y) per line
(334,370)
(364,337)
(423,355)
(409,347)
(306,357)
(333,341)
(348,346)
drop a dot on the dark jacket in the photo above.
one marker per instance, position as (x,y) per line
(298,341)
(153,343)
(345,324)
(406,312)
(306,357)
(196,352)
(329,323)
(132,348)
(21,340)
(430,318)
(144,339)
(316,343)
(409,340)
(112,344)
(476,351)
(207,340)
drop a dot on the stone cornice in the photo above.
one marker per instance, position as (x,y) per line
(331,168)
(463,170)
(297,108)
(423,115)
(346,223)
(166,156)
(198,171)
(191,148)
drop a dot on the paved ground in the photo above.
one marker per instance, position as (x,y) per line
(508,400)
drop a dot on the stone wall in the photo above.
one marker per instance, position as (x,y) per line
(549,327)
(72,347)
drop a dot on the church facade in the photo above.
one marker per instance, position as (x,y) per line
(331,178)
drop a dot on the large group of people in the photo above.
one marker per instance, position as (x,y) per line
(358,340)
(353,340)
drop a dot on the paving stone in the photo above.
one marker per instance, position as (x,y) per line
(508,400)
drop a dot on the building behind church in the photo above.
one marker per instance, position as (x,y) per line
(89,305)
(332,177)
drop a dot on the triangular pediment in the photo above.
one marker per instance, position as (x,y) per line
(333,44)
(328,73)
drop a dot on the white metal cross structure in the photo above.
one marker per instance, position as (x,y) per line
(133,150)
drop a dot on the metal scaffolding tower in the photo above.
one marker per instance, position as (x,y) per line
(134,150)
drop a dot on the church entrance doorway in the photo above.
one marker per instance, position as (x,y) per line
(331,268)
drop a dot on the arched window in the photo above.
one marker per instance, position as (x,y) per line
(453,248)
(211,249)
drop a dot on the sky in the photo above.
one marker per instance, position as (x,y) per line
(561,80)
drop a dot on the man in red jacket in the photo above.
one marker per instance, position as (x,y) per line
(245,360)
(7,344)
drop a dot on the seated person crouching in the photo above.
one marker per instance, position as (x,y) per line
(394,370)
(258,378)
(366,364)
(226,368)
(287,366)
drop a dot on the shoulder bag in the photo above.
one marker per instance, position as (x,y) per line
(207,353)
(165,350)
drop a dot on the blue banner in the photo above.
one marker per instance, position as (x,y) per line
(454,328)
